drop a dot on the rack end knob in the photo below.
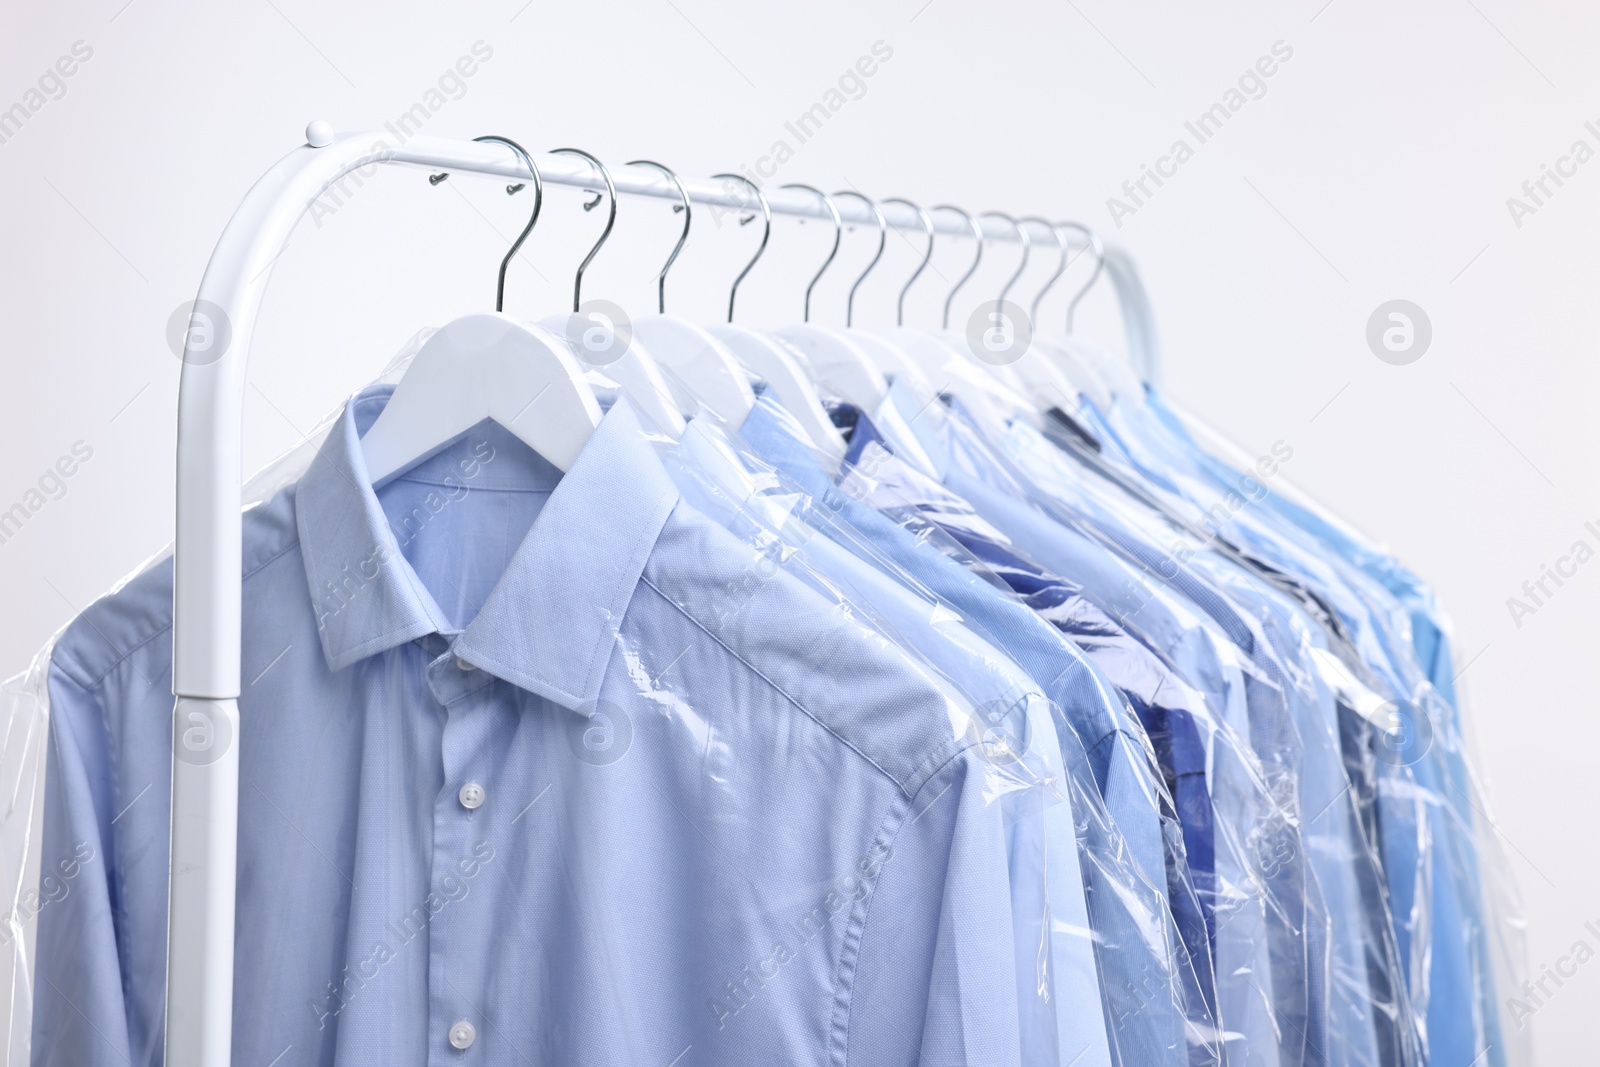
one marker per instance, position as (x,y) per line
(319,134)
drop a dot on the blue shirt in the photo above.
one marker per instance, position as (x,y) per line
(1058,989)
(1399,631)
(1150,979)
(553,755)
(1294,729)
(1272,925)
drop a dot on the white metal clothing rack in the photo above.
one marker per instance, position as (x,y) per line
(207,551)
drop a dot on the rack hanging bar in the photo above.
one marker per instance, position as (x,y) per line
(554,169)
(207,548)
(1138,319)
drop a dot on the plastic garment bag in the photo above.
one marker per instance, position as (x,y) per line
(745,820)
(1149,806)
(1362,959)
(1122,760)
(1363,955)
(1244,891)
(1057,982)
(1144,976)
(1475,929)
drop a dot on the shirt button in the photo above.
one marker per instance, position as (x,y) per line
(464,665)
(463,1034)
(472,796)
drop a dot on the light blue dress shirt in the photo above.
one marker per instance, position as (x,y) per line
(1058,987)
(1144,965)
(1402,636)
(1270,920)
(1302,736)
(1259,884)
(548,766)
(1430,847)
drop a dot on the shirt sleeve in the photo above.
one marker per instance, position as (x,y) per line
(79,1015)
(941,911)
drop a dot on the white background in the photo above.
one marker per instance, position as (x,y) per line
(1377,165)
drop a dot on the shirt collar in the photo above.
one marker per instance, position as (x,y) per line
(777,438)
(550,622)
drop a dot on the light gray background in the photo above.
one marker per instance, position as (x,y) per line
(1377,166)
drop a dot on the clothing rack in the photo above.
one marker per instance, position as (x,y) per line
(207,550)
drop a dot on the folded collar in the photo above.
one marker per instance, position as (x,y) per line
(777,438)
(551,620)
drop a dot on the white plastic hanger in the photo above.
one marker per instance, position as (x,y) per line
(930,355)
(1119,377)
(602,339)
(1071,366)
(881,351)
(777,364)
(889,349)
(832,358)
(1040,368)
(606,348)
(770,359)
(597,343)
(486,366)
(945,361)
(1101,375)
(837,362)
(704,372)
(1001,349)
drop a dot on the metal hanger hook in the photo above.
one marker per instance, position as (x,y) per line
(766,215)
(927,257)
(883,239)
(1027,248)
(511,190)
(611,190)
(661,280)
(1061,266)
(838,232)
(1098,248)
(977,236)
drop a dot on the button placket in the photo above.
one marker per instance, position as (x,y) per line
(471,726)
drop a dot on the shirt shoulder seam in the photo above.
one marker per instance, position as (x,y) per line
(776,688)
(68,671)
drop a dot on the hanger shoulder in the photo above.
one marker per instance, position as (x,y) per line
(774,364)
(884,354)
(1041,378)
(923,352)
(632,369)
(543,397)
(1057,353)
(701,364)
(1119,376)
(838,363)
(484,366)
(891,358)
